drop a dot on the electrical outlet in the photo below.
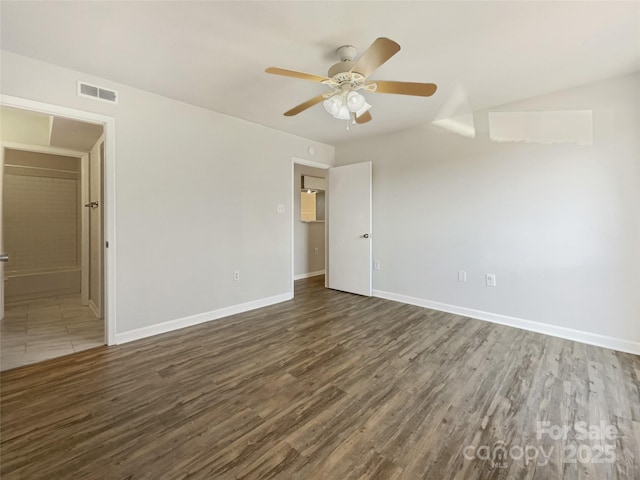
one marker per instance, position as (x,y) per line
(462,276)
(316,251)
(376,264)
(491,279)
(236,275)
(280,208)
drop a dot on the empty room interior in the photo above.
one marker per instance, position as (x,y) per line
(320,240)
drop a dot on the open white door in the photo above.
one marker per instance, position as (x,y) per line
(350,228)
(3,257)
(96,238)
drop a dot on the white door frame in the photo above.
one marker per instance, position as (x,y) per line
(308,163)
(109,215)
(98,311)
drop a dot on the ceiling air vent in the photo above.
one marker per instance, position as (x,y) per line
(99,93)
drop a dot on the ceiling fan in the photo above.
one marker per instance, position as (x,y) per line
(348,77)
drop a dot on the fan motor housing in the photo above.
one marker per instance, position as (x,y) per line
(347,53)
(341,72)
(340,67)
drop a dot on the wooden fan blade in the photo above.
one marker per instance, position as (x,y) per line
(406,88)
(295,74)
(364,118)
(303,106)
(378,53)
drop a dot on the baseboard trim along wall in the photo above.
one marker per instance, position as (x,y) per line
(94,308)
(553,330)
(179,323)
(307,275)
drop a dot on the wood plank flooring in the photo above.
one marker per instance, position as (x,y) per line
(327,386)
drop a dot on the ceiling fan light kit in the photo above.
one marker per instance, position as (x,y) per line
(348,77)
(343,104)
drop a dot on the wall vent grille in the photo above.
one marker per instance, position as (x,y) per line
(96,92)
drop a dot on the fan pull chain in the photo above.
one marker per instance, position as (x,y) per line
(352,120)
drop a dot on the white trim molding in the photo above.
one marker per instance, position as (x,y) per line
(311,163)
(308,275)
(192,320)
(94,309)
(581,336)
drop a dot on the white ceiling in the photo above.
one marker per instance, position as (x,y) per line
(213,54)
(73,134)
(33,128)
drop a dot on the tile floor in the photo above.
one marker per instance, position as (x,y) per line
(36,330)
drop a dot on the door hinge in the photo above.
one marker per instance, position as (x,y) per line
(106,244)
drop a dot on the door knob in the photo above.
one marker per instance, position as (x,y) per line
(91,205)
(4,257)
(367,235)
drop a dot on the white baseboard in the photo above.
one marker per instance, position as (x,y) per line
(164,327)
(307,275)
(553,330)
(94,309)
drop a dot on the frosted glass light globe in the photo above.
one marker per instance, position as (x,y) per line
(332,105)
(355,101)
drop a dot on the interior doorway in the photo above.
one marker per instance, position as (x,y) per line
(53,284)
(347,227)
(309,220)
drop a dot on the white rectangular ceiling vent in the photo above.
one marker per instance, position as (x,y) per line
(99,93)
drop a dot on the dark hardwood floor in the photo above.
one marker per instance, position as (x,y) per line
(327,386)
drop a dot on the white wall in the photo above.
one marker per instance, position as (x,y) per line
(196,197)
(559,224)
(307,235)
(27,128)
